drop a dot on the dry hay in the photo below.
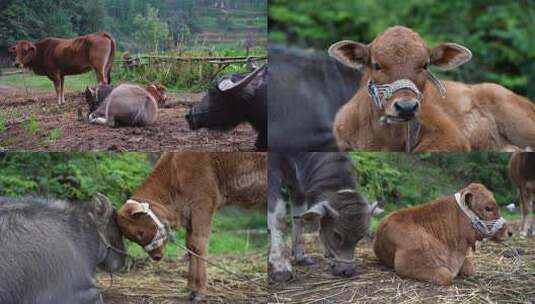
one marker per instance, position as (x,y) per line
(498,279)
(165,282)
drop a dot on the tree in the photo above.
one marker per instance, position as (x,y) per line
(151,29)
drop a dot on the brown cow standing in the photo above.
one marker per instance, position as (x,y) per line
(55,58)
(431,242)
(522,173)
(402,106)
(185,190)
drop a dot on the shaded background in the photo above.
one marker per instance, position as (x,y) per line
(500,34)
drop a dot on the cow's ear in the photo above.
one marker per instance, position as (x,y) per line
(468,198)
(101,205)
(320,210)
(448,56)
(350,53)
(133,209)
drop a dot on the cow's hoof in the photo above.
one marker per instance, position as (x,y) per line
(305,261)
(281,276)
(195,297)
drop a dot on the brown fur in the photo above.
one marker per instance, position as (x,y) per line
(470,117)
(431,242)
(185,190)
(522,173)
(158,92)
(56,58)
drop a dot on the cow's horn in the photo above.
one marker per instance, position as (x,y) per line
(228,86)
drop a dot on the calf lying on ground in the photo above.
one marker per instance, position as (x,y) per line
(50,250)
(522,173)
(401,106)
(124,105)
(321,187)
(185,190)
(56,58)
(431,242)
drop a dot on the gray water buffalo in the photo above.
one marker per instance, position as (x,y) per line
(124,105)
(234,100)
(321,186)
(306,89)
(50,250)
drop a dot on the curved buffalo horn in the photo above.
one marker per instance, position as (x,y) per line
(228,86)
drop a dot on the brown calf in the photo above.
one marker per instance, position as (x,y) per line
(55,58)
(522,173)
(401,106)
(185,190)
(431,242)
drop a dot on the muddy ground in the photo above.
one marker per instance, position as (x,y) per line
(165,282)
(499,278)
(34,121)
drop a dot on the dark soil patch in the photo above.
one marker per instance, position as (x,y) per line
(36,122)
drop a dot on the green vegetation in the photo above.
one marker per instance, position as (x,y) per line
(3,122)
(137,25)
(77,176)
(42,83)
(499,33)
(399,179)
(31,125)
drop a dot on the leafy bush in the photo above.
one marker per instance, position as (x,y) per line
(399,179)
(73,176)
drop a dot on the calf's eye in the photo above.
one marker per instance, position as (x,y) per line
(376,66)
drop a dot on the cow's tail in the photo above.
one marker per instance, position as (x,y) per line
(109,62)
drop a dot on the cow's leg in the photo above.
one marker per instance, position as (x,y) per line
(526,210)
(299,206)
(101,74)
(281,269)
(57,87)
(467,269)
(62,82)
(198,234)
(415,264)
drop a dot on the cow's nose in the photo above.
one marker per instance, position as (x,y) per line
(347,272)
(406,107)
(156,256)
(16,64)
(509,233)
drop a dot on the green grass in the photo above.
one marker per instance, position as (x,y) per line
(3,122)
(42,83)
(52,137)
(229,235)
(32,125)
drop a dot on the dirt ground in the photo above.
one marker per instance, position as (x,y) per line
(34,121)
(499,278)
(165,282)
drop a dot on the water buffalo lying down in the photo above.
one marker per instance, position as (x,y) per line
(124,105)
(306,89)
(50,249)
(234,100)
(321,187)
(432,242)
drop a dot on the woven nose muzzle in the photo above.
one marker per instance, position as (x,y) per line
(380,94)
